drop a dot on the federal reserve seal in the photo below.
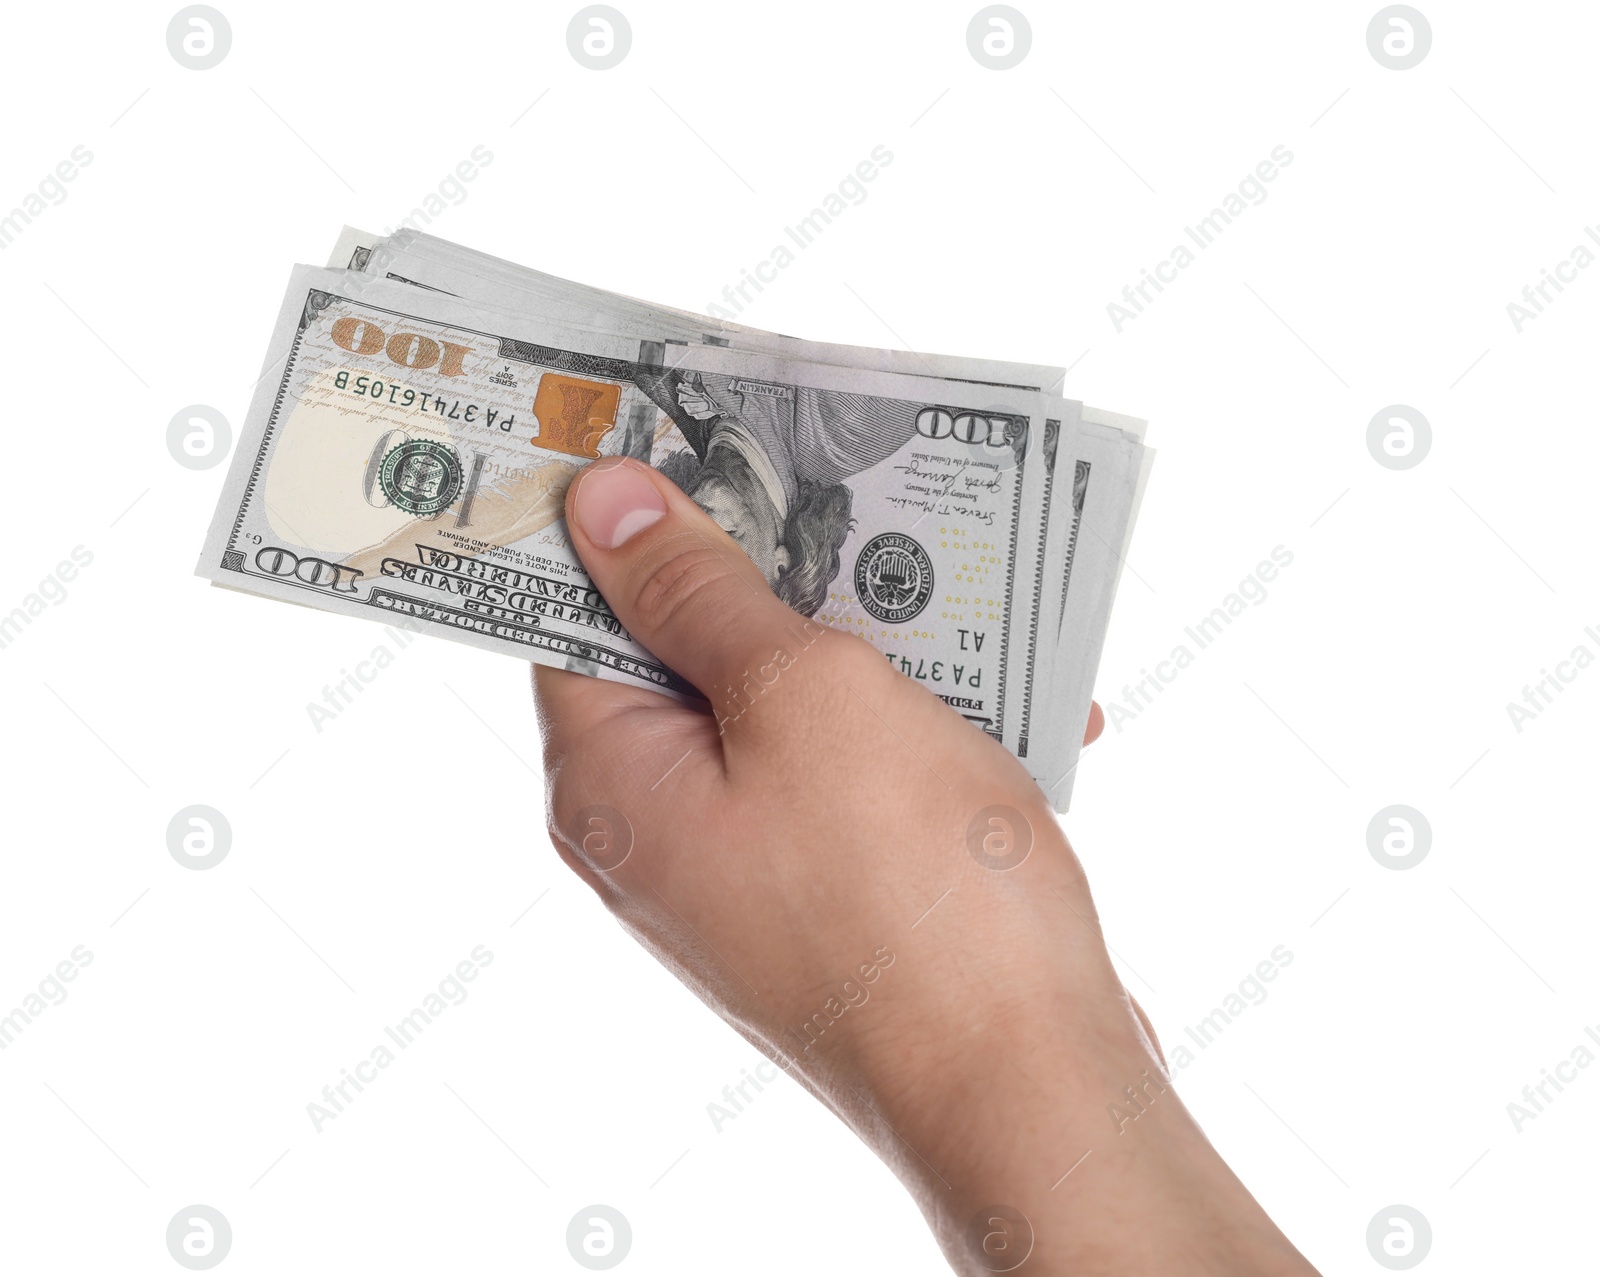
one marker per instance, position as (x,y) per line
(894,577)
(421,476)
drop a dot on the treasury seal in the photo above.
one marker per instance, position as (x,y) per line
(894,577)
(421,476)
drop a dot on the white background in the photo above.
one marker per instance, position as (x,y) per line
(1227,818)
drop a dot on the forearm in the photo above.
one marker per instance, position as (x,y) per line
(1029,1082)
(1083,1191)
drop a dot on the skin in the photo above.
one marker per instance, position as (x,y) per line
(787,843)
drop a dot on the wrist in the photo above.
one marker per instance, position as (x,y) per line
(1007,1118)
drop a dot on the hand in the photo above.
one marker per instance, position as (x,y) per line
(805,856)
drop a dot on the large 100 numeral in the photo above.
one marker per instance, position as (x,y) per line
(965,427)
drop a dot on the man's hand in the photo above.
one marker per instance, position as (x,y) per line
(879,898)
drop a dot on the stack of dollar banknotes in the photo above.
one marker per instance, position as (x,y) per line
(424,408)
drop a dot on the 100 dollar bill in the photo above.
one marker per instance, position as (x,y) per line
(410,459)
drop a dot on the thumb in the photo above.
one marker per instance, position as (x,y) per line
(679,583)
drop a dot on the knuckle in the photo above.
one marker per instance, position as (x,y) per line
(560,813)
(591,837)
(851,656)
(828,675)
(686,575)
